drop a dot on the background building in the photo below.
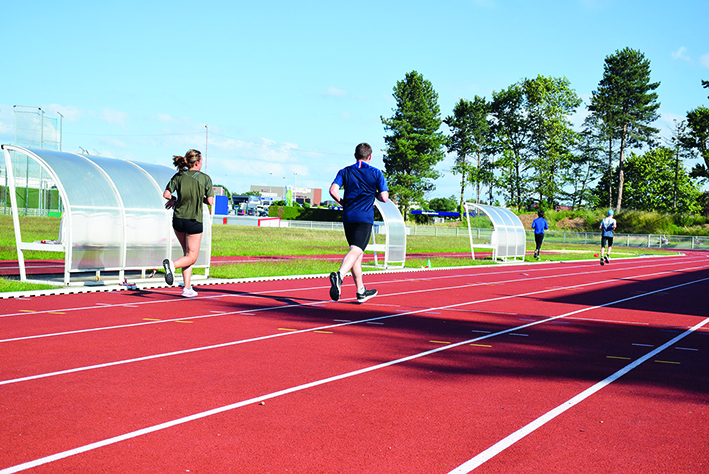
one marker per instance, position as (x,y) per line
(278,193)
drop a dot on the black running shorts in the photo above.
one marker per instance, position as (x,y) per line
(606,239)
(188,226)
(358,233)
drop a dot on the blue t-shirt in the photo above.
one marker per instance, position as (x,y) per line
(362,183)
(607,226)
(539,225)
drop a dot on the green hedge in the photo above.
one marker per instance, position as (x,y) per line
(30,198)
(304,214)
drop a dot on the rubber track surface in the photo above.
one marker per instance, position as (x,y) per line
(541,368)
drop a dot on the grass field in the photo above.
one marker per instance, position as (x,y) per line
(235,241)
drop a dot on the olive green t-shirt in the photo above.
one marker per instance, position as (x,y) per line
(192,188)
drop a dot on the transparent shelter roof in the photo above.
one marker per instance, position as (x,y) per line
(113,210)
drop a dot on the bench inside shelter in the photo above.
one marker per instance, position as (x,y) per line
(393,249)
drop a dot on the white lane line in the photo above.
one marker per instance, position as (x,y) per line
(172,297)
(196,416)
(79,331)
(505,443)
(261,338)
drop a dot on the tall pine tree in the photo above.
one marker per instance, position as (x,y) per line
(627,104)
(414,143)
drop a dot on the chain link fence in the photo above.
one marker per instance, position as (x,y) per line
(564,237)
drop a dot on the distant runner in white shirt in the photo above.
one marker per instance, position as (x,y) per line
(608,225)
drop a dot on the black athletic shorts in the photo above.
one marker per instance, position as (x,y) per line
(606,239)
(188,226)
(358,233)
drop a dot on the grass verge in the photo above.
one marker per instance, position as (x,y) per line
(233,241)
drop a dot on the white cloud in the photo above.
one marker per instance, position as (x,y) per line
(69,112)
(681,53)
(165,118)
(333,92)
(113,117)
(704,60)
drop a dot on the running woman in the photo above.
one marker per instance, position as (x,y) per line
(193,188)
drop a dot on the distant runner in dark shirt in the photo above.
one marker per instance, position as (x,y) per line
(539,225)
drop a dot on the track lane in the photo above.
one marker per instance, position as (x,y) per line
(314,349)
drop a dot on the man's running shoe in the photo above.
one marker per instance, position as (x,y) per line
(536,254)
(602,261)
(189,292)
(169,271)
(608,259)
(368,294)
(335,285)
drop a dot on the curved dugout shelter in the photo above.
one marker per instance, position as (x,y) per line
(508,240)
(394,246)
(114,222)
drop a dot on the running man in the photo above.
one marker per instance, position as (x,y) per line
(363,183)
(608,225)
(539,225)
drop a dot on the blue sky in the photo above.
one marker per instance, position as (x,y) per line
(292,87)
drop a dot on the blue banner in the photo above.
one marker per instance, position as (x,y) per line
(441,213)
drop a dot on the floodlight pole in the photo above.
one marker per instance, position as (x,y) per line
(206,146)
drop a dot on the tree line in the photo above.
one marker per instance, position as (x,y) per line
(521,143)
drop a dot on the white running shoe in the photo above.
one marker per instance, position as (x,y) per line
(189,293)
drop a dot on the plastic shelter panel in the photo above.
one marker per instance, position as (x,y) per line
(396,231)
(511,239)
(145,216)
(97,238)
(95,220)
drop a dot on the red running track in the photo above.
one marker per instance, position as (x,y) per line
(563,367)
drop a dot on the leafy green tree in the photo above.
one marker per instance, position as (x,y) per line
(681,152)
(470,130)
(697,137)
(448,204)
(586,166)
(650,178)
(414,144)
(626,102)
(550,103)
(598,130)
(511,136)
